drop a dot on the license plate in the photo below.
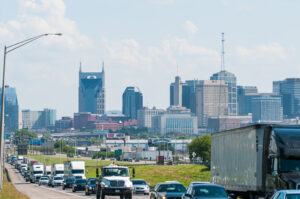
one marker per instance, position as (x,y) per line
(117,191)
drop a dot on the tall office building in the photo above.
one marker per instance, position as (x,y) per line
(175,120)
(92,92)
(211,100)
(38,119)
(144,116)
(184,93)
(132,102)
(266,108)
(230,80)
(245,95)
(176,92)
(289,89)
(11,108)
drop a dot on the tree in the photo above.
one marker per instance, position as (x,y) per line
(47,136)
(201,146)
(23,136)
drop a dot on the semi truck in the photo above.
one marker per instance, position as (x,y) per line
(48,170)
(75,169)
(36,171)
(58,170)
(114,181)
(256,160)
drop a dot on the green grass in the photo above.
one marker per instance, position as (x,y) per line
(153,174)
(9,191)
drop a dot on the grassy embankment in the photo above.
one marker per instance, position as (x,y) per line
(10,192)
(151,173)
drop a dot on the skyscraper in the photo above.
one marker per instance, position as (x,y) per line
(92,91)
(132,101)
(211,100)
(289,89)
(230,80)
(176,92)
(11,108)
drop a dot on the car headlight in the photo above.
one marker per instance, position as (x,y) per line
(90,188)
(128,184)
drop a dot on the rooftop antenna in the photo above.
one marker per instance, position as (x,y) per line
(223,53)
(80,65)
(102,66)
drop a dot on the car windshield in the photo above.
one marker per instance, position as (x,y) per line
(171,188)
(70,180)
(139,182)
(79,171)
(286,165)
(59,172)
(92,181)
(209,192)
(80,181)
(44,178)
(115,172)
(58,178)
(37,172)
(293,196)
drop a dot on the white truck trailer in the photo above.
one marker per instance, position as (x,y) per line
(256,160)
(75,169)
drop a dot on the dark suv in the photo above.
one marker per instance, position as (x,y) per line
(79,185)
(90,186)
(68,182)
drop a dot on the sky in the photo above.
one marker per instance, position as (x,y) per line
(144,43)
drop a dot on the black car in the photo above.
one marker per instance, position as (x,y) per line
(90,186)
(168,190)
(68,182)
(79,185)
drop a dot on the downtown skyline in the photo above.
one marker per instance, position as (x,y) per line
(144,51)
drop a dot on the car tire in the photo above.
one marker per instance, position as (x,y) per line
(97,192)
(121,197)
(73,190)
(63,187)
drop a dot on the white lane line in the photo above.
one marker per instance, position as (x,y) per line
(61,191)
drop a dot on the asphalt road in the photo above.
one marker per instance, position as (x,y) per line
(34,191)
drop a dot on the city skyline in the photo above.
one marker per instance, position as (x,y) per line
(142,49)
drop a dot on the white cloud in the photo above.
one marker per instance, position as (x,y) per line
(272,51)
(190,27)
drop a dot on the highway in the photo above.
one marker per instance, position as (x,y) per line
(34,191)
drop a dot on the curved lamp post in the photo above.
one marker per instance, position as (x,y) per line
(8,49)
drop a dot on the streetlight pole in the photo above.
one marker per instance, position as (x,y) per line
(8,49)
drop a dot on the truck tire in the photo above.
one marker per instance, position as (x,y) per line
(97,193)
(128,196)
(121,197)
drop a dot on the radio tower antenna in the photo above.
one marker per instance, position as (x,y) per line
(223,53)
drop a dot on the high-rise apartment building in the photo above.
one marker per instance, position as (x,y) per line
(11,110)
(266,108)
(211,100)
(132,102)
(289,89)
(230,80)
(144,116)
(92,92)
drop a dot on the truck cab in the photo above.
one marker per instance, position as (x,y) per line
(75,169)
(36,172)
(58,170)
(114,181)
